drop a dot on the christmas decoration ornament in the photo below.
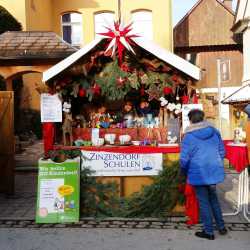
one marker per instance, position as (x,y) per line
(163,101)
(82,92)
(167,90)
(66,107)
(75,90)
(96,89)
(154,92)
(142,91)
(120,81)
(120,38)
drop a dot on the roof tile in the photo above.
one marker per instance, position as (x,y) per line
(35,44)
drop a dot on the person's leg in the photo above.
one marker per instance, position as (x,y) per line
(202,194)
(215,205)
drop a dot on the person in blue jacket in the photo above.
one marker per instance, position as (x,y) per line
(201,160)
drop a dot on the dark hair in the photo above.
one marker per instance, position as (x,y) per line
(196,115)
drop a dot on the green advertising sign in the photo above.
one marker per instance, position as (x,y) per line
(58,191)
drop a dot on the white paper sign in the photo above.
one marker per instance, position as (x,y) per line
(122,164)
(51,108)
(186,108)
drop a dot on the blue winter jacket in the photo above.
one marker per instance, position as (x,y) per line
(202,154)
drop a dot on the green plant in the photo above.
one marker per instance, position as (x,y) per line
(156,200)
(98,199)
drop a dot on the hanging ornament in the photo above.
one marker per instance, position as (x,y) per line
(185,99)
(133,79)
(163,101)
(120,81)
(175,78)
(142,91)
(96,89)
(167,90)
(125,67)
(75,90)
(154,92)
(144,78)
(120,38)
(82,92)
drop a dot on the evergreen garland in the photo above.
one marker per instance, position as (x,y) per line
(155,200)
(158,199)
(107,80)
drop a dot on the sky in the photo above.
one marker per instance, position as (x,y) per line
(181,7)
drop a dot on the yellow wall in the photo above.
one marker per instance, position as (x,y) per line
(162,18)
(46,15)
(17,9)
(39,15)
(30,98)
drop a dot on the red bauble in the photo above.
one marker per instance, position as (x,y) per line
(82,92)
(124,67)
(185,99)
(96,89)
(175,78)
(167,90)
(120,81)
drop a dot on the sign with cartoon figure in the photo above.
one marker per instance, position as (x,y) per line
(58,191)
(122,164)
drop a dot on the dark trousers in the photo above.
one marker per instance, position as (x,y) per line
(209,207)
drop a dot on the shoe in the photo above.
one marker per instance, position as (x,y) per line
(223,231)
(204,235)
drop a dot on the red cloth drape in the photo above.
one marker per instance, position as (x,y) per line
(237,156)
(191,205)
(48,136)
(127,149)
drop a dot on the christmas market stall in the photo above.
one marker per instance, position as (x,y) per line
(238,149)
(119,100)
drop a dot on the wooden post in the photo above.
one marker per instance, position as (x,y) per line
(7,149)
(9,86)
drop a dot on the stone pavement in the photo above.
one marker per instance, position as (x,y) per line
(27,159)
(116,239)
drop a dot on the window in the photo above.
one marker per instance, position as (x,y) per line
(72,28)
(142,23)
(102,20)
(224,70)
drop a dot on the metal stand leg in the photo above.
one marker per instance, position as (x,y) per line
(240,197)
(243,196)
(246,195)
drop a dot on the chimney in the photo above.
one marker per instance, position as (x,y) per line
(228,3)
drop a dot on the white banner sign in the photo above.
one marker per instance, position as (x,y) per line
(51,108)
(122,164)
(185,110)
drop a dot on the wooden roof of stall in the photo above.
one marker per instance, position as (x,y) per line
(208,23)
(24,45)
(242,95)
(171,59)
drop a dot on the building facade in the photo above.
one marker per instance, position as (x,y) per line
(78,21)
(204,37)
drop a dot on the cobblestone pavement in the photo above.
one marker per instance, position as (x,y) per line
(114,239)
(27,159)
